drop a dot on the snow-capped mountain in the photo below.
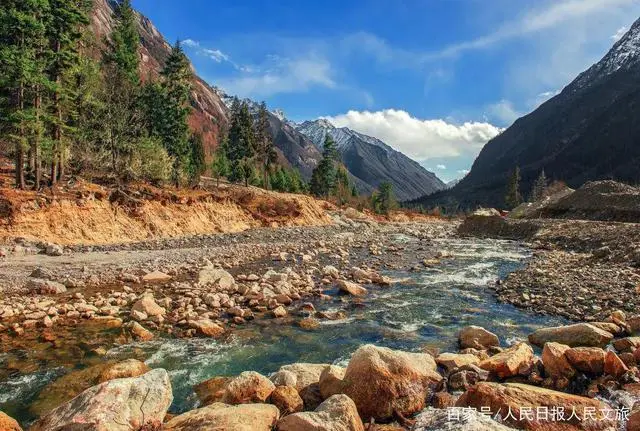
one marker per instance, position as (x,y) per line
(589,131)
(372,161)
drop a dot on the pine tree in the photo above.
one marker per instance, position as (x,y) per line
(265,153)
(324,175)
(220,164)
(383,200)
(539,187)
(342,187)
(124,43)
(68,18)
(513,198)
(197,157)
(241,142)
(174,133)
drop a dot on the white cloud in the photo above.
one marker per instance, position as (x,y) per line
(463,171)
(283,76)
(534,21)
(441,167)
(417,138)
(504,112)
(214,54)
(619,33)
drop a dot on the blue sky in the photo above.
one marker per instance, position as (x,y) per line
(435,79)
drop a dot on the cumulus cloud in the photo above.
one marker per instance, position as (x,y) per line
(283,76)
(214,54)
(417,138)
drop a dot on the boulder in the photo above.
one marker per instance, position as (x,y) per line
(7,423)
(210,276)
(54,250)
(555,363)
(589,360)
(515,397)
(580,334)
(516,360)
(148,306)
(212,390)
(613,365)
(279,311)
(287,399)
(139,332)
(223,417)
(248,387)
(206,327)
(116,405)
(122,370)
(382,381)
(351,288)
(304,374)
(455,419)
(337,413)
(330,271)
(331,381)
(45,287)
(628,344)
(156,277)
(477,337)
(454,360)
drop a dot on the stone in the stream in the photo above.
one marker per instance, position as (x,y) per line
(454,360)
(589,360)
(613,365)
(248,387)
(124,369)
(515,397)
(212,390)
(382,381)
(206,327)
(331,381)
(279,311)
(337,413)
(116,405)
(7,423)
(156,277)
(555,362)
(287,399)
(477,337)
(455,419)
(148,306)
(45,287)
(516,360)
(351,288)
(139,332)
(579,334)
(299,375)
(210,276)
(223,417)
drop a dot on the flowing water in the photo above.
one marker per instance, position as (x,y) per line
(424,310)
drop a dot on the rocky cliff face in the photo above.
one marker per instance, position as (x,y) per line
(372,161)
(590,131)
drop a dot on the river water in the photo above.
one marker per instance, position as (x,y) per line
(425,310)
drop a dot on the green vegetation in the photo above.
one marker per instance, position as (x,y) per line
(513,197)
(383,201)
(539,187)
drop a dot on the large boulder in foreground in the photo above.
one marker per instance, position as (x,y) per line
(477,337)
(218,416)
(7,423)
(515,397)
(589,360)
(516,360)
(248,387)
(580,334)
(337,413)
(116,405)
(455,419)
(382,381)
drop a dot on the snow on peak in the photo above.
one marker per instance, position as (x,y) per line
(317,131)
(280,115)
(624,54)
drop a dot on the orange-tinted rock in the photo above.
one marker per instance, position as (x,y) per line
(523,402)
(516,360)
(212,390)
(555,362)
(589,360)
(477,337)
(613,365)
(7,423)
(579,334)
(453,360)
(287,400)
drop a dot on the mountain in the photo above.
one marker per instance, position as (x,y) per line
(589,131)
(372,161)
(211,111)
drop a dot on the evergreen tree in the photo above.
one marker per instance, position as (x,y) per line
(383,200)
(539,187)
(220,164)
(265,153)
(68,18)
(23,46)
(124,43)
(241,143)
(197,162)
(342,187)
(513,198)
(174,133)
(324,175)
